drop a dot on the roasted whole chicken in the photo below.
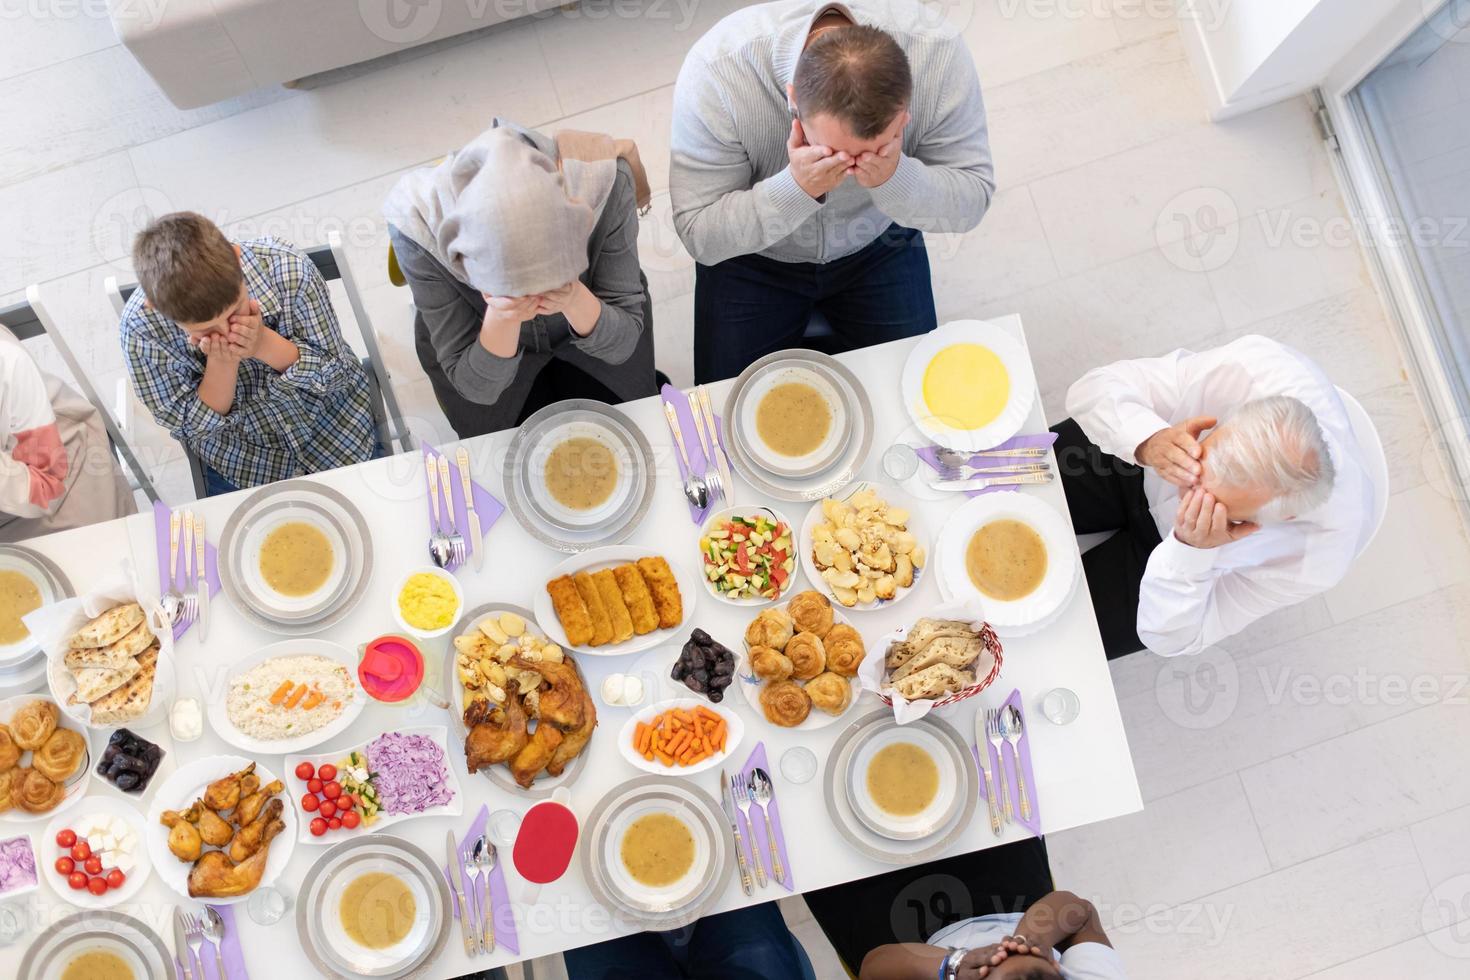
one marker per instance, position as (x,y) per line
(538,722)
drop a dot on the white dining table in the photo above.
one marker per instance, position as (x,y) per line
(1084,772)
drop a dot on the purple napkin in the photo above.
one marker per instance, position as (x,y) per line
(205,967)
(1008,771)
(211,561)
(505,916)
(486,505)
(697,462)
(930,455)
(757,836)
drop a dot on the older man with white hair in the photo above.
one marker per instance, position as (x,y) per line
(1234,484)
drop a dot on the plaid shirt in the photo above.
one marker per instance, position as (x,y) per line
(316,415)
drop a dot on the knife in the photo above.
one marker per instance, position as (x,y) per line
(203,584)
(462,457)
(181,944)
(983,483)
(729,804)
(456,883)
(982,742)
(433,489)
(716,445)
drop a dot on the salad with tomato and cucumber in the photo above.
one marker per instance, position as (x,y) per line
(748,556)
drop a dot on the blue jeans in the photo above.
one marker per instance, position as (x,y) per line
(746,944)
(214,484)
(749,306)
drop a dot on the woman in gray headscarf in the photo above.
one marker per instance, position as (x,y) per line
(522,254)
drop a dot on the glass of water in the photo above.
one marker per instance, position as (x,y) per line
(268,905)
(12,922)
(900,461)
(798,764)
(1061,706)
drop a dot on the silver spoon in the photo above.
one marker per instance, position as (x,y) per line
(1012,728)
(484,859)
(695,489)
(760,786)
(440,551)
(476,872)
(214,931)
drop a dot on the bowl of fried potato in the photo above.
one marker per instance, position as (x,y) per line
(865,549)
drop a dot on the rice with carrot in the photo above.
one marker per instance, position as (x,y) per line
(284,697)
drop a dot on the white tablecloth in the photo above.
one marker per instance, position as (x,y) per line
(1083,770)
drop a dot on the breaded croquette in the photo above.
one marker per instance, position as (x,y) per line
(602,630)
(612,600)
(637,599)
(571,610)
(665,590)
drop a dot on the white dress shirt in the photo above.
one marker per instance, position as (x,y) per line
(1081,961)
(1190,597)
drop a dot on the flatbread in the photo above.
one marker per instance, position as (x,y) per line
(936,681)
(115,656)
(132,699)
(96,682)
(110,627)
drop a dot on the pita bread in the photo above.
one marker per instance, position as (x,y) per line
(933,682)
(115,656)
(924,632)
(132,699)
(95,682)
(958,652)
(110,627)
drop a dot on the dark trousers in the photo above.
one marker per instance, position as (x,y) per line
(214,484)
(1106,494)
(744,944)
(911,904)
(750,306)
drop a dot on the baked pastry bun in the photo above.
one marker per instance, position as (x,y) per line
(808,656)
(770,664)
(34,723)
(35,793)
(785,703)
(61,756)
(9,751)
(845,650)
(830,692)
(811,612)
(772,628)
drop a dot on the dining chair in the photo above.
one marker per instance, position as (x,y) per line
(29,320)
(331,261)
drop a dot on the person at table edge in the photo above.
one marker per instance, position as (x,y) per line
(522,254)
(1233,480)
(236,350)
(813,145)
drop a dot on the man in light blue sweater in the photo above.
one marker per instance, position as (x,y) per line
(813,144)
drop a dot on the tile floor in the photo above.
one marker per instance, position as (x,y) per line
(1307,785)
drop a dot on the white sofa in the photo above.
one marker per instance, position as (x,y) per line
(202,51)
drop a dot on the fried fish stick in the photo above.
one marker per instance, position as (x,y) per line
(602,630)
(612,601)
(637,598)
(665,590)
(571,610)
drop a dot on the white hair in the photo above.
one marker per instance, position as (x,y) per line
(1275,443)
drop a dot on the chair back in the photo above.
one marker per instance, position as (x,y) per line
(331,261)
(29,320)
(1371,446)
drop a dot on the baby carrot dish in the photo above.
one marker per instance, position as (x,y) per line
(284,697)
(681,737)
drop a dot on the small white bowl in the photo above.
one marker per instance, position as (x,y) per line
(732,741)
(831,447)
(458,598)
(749,511)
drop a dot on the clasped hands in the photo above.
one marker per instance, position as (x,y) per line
(239,340)
(978,963)
(1202,521)
(818,169)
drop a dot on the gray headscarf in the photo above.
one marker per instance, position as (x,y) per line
(502,214)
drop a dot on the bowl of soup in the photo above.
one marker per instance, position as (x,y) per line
(21,592)
(295,562)
(374,913)
(902,783)
(580,474)
(657,853)
(793,419)
(102,959)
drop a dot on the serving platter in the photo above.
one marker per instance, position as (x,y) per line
(915,526)
(749,686)
(187,784)
(318,920)
(109,806)
(525,459)
(77,786)
(609,557)
(296,788)
(734,723)
(19,658)
(130,939)
(1013,357)
(269,507)
(217,708)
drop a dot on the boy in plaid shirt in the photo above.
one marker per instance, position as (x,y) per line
(235,349)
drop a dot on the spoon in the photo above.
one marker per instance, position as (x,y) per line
(695,489)
(214,931)
(440,550)
(760,785)
(484,859)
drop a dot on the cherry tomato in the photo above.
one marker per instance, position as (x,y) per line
(65,865)
(328,772)
(66,838)
(334,823)
(304,770)
(309,802)
(93,865)
(97,886)
(116,878)
(77,880)
(313,785)
(81,850)
(328,809)
(318,827)
(332,790)
(346,801)
(350,819)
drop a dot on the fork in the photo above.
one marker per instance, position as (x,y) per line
(191,599)
(1012,727)
(456,540)
(439,548)
(475,868)
(994,736)
(947,471)
(956,457)
(711,472)
(1004,480)
(740,789)
(194,936)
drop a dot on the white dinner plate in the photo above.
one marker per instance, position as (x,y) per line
(750,685)
(1062,563)
(76,787)
(122,935)
(733,721)
(827,452)
(279,604)
(676,893)
(608,557)
(179,791)
(557,513)
(913,826)
(915,526)
(1013,356)
(109,806)
(33,567)
(219,717)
